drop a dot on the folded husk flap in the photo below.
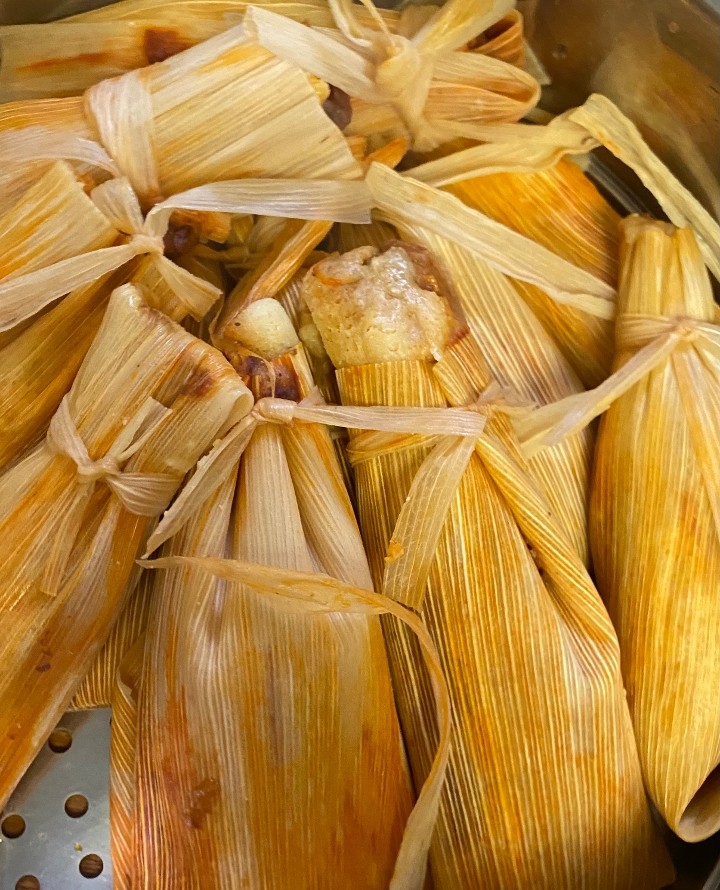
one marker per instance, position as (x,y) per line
(99,685)
(147,402)
(269,750)
(654,521)
(544,785)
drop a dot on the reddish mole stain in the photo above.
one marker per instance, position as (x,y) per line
(337,107)
(179,240)
(199,384)
(202,800)
(81,59)
(41,668)
(161,43)
(458,335)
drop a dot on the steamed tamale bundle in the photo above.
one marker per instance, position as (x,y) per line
(544,787)
(74,512)
(268,746)
(520,353)
(654,520)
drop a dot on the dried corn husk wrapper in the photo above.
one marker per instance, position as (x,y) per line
(147,402)
(422,86)
(520,353)
(655,517)
(268,744)
(123,746)
(66,57)
(561,209)
(99,686)
(38,366)
(34,135)
(543,786)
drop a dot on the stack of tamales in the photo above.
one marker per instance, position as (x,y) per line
(296,320)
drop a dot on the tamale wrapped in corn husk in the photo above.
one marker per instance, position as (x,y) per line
(561,209)
(148,400)
(269,750)
(654,521)
(521,356)
(544,787)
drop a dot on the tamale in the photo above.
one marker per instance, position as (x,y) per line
(188,103)
(148,400)
(654,521)
(522,357)
(561,209)
(422,86)
(544,787)
(269,751)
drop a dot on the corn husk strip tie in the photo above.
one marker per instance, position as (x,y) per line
(25,295)
(392,422)
(656,339)
(378,66)
(144,494)
(18,147)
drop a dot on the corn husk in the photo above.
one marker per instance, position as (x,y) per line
(64,58)
(421,86)
(99,686)
(123,747)
(148,400)
(52,221)
(281,757)
(39,365)
(562,210)
(654,520)
(521,804)
(522,357)
(33,135)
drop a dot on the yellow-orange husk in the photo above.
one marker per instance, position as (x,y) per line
(544,786)
(522,357)
(561,209)
(66,57)
(188,104)
(50,638)
(98,687)
(504,40)
(269,750)
(38,367)
(123,747)
(654,529)
(59,116)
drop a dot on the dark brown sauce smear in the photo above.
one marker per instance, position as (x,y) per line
(161,43)
(179,240)
(337,107)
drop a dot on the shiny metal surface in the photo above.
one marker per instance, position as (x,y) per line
(658,59)
(53,844)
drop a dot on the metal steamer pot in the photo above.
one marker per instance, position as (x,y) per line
(659,60)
